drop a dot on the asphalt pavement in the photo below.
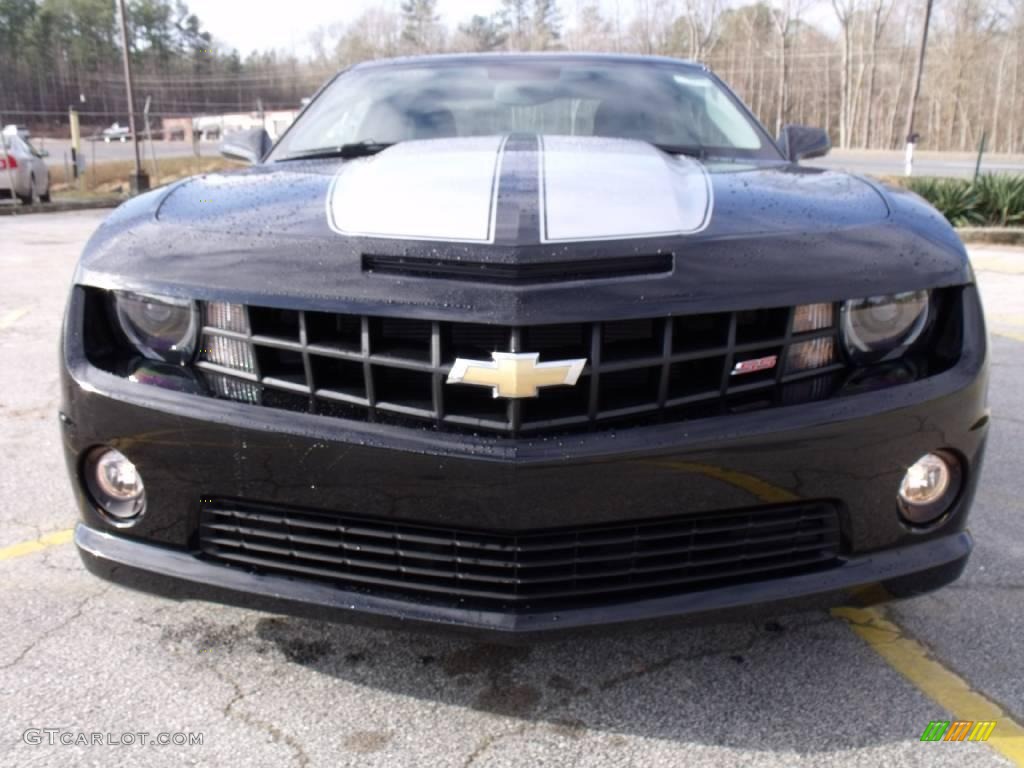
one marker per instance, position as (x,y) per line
(263,690)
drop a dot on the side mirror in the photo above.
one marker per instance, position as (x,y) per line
(800,141)
(249,146)
(42,153)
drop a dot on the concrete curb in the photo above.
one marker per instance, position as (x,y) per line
(61,206)
(992,235)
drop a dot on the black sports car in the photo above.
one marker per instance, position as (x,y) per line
(519,344)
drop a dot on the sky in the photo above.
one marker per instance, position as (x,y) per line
(288,24)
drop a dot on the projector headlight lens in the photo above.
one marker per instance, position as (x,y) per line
(161,328)
(881,327)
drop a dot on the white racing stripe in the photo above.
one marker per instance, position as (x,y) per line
(589,189)
(423,190)
(610,189)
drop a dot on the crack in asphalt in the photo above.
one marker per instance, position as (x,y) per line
(542,716)
(75,615)
(278,735)
(230,710)
(490,740)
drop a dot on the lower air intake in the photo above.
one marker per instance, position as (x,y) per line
(558,568)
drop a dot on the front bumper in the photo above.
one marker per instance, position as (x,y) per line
(179,575)
(851,451)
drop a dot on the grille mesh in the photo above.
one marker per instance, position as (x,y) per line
(395,369)
(560,567)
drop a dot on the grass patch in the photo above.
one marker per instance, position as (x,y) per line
(112,177)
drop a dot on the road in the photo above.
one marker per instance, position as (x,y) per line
(890,163)
(801,690)
(874,162)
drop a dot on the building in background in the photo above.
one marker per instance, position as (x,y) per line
(216,127)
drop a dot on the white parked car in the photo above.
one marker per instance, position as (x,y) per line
(22,167)
(116,132)
(17,130)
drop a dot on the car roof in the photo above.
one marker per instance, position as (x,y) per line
(481,58)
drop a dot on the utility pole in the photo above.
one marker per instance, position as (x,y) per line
(912,107)
(149,138)
(140,180)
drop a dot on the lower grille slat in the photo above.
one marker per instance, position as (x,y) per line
(590,564)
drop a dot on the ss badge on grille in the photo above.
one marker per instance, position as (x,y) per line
(511,374)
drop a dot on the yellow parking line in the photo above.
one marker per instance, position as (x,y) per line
(1010,335)
(10,318)
(945,688)
(28,547)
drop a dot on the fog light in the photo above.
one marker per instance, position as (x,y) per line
(115,484)
(928,488)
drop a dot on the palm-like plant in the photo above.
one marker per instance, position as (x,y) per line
(956,199)
(1001,199)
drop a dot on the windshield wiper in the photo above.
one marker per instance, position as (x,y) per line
(344,151)
(683,149)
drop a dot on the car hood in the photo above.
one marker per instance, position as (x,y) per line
(478,190)
(740,235)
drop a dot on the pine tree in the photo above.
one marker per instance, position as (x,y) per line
(419,24)
(484,33)
(547,21)
(516,16)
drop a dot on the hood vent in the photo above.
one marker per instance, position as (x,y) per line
(519,274)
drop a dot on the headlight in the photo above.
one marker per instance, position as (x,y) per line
(881,327)
(160,328)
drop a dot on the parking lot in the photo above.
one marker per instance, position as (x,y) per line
(839,688)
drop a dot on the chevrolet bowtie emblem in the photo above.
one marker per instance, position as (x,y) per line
(511,374)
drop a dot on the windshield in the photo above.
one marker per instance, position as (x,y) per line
(671,105)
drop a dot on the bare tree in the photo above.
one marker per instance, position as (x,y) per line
(919,70)
(787,17)
(880,11)
(701,18)
(844,10)
(592,31)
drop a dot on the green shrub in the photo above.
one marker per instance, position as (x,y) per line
(1001,199)
(993,200)
(956,199)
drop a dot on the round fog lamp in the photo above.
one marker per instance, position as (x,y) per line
(115,484)
(929,486)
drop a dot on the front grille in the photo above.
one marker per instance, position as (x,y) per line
(389,369)
(519,571)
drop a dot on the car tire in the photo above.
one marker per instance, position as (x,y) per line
(30,198)
(44,197)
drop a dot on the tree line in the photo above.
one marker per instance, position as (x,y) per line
(847,65)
